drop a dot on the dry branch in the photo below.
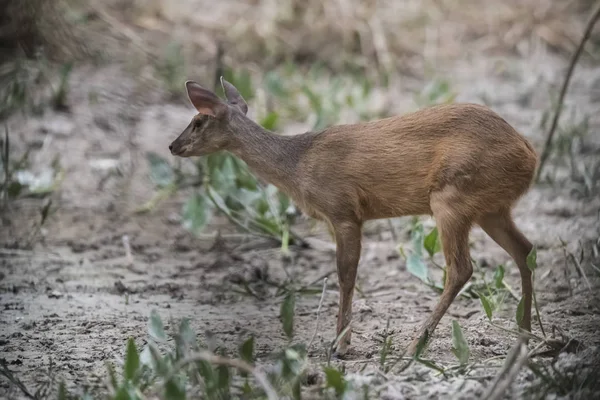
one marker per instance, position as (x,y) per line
(515,360)
(563,90)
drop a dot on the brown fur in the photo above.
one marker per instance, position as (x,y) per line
(461,163)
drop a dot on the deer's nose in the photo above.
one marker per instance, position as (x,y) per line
(171,147)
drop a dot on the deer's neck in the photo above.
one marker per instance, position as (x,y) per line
(272,157)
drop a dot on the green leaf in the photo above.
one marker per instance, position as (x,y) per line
(432,242)
(122,394)
(269,122)
(287,313)
(416,266)
(132,361)
(486,305)
(173,391)
(520,310)
(460,347)
(155,327)
(499,277)
(247,350)
(161,172)
(196,213)
(334,379)
(223,379)
(532,259)
(218,200)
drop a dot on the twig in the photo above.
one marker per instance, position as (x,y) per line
(318,313)
(580,270)
(563,90)
(229,362)
(515,360)
(521,332)
(8,374)
(324,276)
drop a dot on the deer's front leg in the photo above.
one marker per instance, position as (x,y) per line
(348,238)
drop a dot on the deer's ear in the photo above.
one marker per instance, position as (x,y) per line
(205,101)
(233,96)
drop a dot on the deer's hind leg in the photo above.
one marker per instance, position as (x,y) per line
(501,227)
(454,219)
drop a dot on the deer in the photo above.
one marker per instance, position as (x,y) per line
(460,163)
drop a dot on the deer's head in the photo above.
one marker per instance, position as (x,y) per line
(215,125)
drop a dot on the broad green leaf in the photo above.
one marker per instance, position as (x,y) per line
(432,242)
(416,266)
(499,277)
(486,306)
(196,213)
(132,361)
(156,328)
(173,391)
(520,310)
(223,379)
(247,350)
(532,259)
(218,200)
(335,380)
(268,225)
(287,313)
(123,394)
(161,172)
(460,347)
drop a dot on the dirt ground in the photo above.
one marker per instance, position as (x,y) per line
(76,298)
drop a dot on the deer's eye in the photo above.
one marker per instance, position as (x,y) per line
(197,123)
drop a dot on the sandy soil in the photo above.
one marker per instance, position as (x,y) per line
(75,298)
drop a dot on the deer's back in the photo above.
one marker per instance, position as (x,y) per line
(389,167)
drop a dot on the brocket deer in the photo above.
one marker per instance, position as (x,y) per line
(461,163)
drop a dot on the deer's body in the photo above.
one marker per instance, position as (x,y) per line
(461,163)
(389,168)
